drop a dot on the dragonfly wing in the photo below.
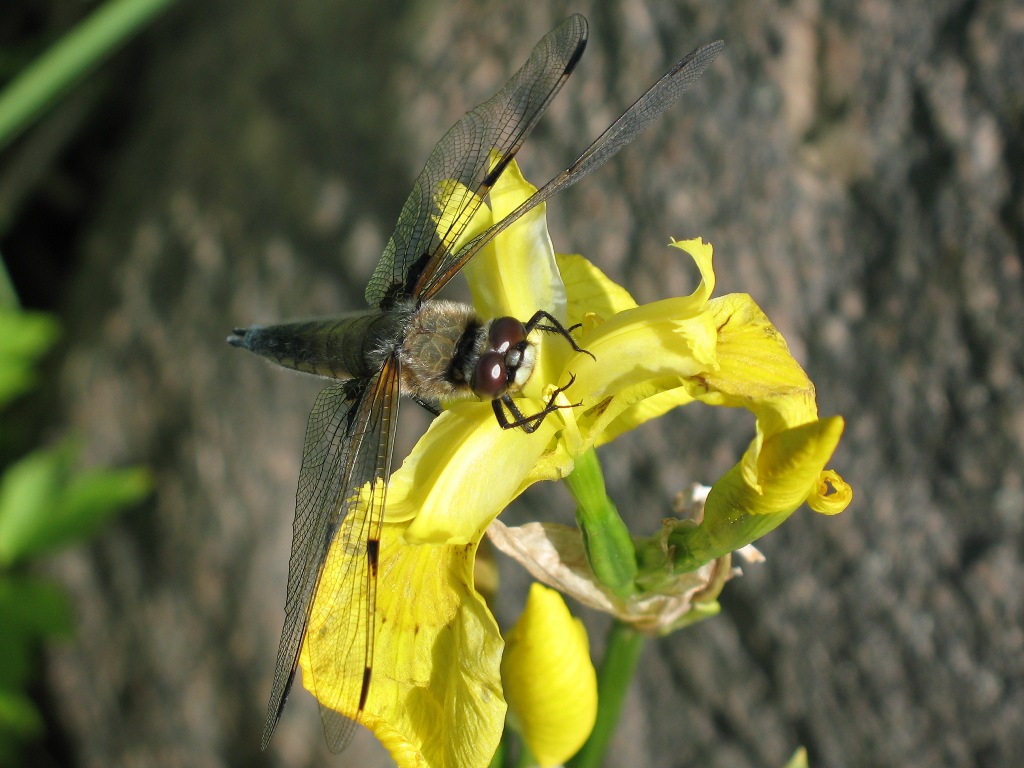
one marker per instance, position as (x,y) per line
(415,256)
(629,125)
(348,445)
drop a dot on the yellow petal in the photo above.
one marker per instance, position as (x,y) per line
(701,253)
(755,369)
(642,410)
(663,339)
(518,275)
(549,679)
(463,472)
(435,695)
(589,290)
(637,352)
(798,760)
(775,476)
(454,229)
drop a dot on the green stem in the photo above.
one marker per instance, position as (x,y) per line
(613,680)
(56,70)
(526,758)
(606,538)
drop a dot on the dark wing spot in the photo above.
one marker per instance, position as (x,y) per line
(365,692)
(373,554)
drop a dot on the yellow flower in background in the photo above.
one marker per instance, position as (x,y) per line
(436,697)
(549,679)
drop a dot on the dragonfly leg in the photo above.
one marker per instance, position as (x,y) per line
(427,405)
(528,424)
(553,326)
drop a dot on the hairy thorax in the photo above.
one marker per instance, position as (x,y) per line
(436,339)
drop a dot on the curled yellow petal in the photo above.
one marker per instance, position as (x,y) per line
(831,494)
(701,253)
(549,680)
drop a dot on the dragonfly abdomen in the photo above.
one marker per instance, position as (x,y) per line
(344,347)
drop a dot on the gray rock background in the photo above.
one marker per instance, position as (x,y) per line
(858,168)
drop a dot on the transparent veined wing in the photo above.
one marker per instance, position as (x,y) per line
(346,458)
(416,251)
(630,124)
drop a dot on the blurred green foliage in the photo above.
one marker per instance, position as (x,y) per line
(41,82)
(46,502)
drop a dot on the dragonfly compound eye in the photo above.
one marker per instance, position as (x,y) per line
(490,379)
(505,333)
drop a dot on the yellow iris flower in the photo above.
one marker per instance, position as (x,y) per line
(436,698)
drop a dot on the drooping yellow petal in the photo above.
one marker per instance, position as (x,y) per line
(775,476)
(435,695)
(549,679)
(755,368)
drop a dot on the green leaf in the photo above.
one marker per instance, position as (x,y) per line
(18,717)
(26,334)
(96,37)
(15,380)
(93,497)
(8,296)
(30,491)
(31,610)
(43,504)
(24,337)
(36,606)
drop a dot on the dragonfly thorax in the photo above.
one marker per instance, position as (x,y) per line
(450,353)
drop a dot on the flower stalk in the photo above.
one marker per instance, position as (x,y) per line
(606,538)
(621,656)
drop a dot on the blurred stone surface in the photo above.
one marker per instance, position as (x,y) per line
(859,169)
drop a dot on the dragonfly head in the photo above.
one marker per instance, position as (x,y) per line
(506,362)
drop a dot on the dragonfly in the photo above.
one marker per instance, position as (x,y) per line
(434,351)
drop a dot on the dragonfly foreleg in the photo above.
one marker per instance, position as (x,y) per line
(529,424)
(553,326)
